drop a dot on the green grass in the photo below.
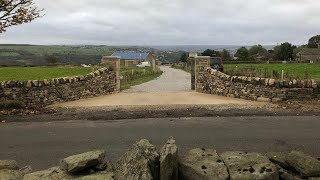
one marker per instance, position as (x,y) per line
(186,69)
(300,71)
(133,76)
(11,54)
(40,73)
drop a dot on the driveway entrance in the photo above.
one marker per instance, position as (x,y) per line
(173,87)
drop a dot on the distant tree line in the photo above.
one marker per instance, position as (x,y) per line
(283,52)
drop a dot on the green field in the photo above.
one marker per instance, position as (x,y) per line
(299,71)
(40,73)
(38,55)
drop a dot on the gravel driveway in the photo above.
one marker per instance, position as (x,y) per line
(172,80)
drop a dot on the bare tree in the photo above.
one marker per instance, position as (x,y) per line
(15,12)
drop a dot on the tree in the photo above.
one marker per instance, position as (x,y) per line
(51,59)
(211,53)
(242,54)
(15,12)
(184,57)
(284,52)
(225,55)
(314,42)
(257,49)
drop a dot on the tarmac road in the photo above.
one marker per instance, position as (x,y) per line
(42,144)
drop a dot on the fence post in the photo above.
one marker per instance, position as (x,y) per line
(282,75)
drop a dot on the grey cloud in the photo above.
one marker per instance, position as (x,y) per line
(156,22)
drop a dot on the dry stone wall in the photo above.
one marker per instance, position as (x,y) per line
(208,80)
(45,92)
(254,88)
(144,162)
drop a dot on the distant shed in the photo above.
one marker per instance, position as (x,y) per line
(128,59)
(309,54)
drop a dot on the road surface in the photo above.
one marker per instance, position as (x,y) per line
(42,144)
(172,80)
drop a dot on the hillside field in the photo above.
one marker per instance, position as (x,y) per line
(38,54)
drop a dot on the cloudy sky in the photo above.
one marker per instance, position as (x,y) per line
(170,22)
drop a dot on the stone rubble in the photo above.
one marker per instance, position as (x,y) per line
(143,162)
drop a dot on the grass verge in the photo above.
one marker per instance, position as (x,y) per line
(184,68)
(139,76)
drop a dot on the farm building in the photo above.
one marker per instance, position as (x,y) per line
(308,55)
(128,59)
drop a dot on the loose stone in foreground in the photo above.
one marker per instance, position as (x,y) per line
(141,162)
(202,164)
(306,165)
(56,173)
(169,161)
(9,174)
(83,161)
(9,164)
(249,166)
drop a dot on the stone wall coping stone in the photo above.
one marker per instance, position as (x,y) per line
(293,83)
(48,82)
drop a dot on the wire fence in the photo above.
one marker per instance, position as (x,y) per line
(266,72)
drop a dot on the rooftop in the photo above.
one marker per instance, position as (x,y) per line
(131,55)
(310,51)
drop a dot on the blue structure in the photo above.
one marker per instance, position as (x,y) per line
(131,55)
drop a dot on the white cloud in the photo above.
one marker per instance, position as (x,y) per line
(170,22)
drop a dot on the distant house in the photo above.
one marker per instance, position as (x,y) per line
(309,55)
(128,59)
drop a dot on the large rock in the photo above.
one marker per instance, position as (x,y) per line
(57,173)
(141,162)
(106,165)
(9,174)
(76,163)
(279,158)
(202,164)
(9,164)
(285,175)
(169,161)
(26,170)
(247,166)
(306,165)
(49,174)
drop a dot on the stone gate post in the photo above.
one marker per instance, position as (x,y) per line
(114,63)
(201,64)
(193,78)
